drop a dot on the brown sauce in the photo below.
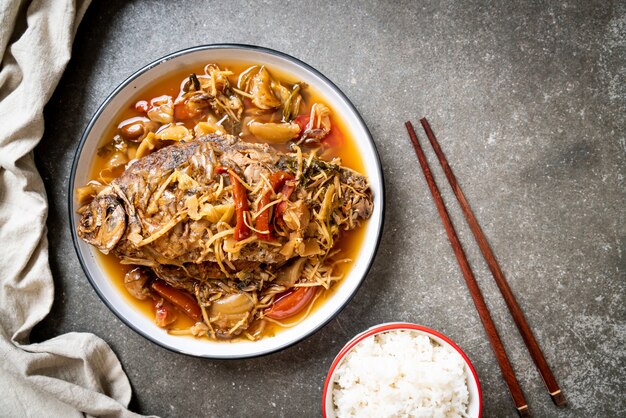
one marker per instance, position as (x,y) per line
(349,243)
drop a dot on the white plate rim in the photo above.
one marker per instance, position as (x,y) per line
(150,66)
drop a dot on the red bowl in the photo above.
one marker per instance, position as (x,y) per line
(475,406)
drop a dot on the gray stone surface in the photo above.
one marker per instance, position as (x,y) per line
(528,102)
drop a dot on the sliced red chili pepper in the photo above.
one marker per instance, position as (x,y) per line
(291,303)
(286,191)
(240,196)
(183,300)
(263,219)
(278,179)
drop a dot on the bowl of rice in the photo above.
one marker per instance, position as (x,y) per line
(401,370)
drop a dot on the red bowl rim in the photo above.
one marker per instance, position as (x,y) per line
(391,326)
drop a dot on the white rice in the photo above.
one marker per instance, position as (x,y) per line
(401,374)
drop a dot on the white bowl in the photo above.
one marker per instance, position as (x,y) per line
(193,58)
(473,385)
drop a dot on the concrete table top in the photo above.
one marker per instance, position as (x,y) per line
(528,102)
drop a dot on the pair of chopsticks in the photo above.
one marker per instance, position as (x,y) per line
(483,312)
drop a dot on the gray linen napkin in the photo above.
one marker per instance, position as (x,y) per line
(74,374)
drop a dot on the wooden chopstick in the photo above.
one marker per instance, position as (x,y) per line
(518,316)
(470,280)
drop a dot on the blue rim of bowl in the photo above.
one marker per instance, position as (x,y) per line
(150,66)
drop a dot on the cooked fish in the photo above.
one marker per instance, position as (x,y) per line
(179,210)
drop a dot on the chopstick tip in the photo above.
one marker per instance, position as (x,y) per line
(559,398)
(523,411)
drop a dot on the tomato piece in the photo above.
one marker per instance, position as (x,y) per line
(188,109)
(291,303)
(182,112)
(335,138)
(183,300)
(302,121)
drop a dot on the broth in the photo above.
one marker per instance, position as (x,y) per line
(344,147)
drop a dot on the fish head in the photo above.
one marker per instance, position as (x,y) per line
(102,222)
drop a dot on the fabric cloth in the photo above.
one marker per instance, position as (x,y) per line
(75,374)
